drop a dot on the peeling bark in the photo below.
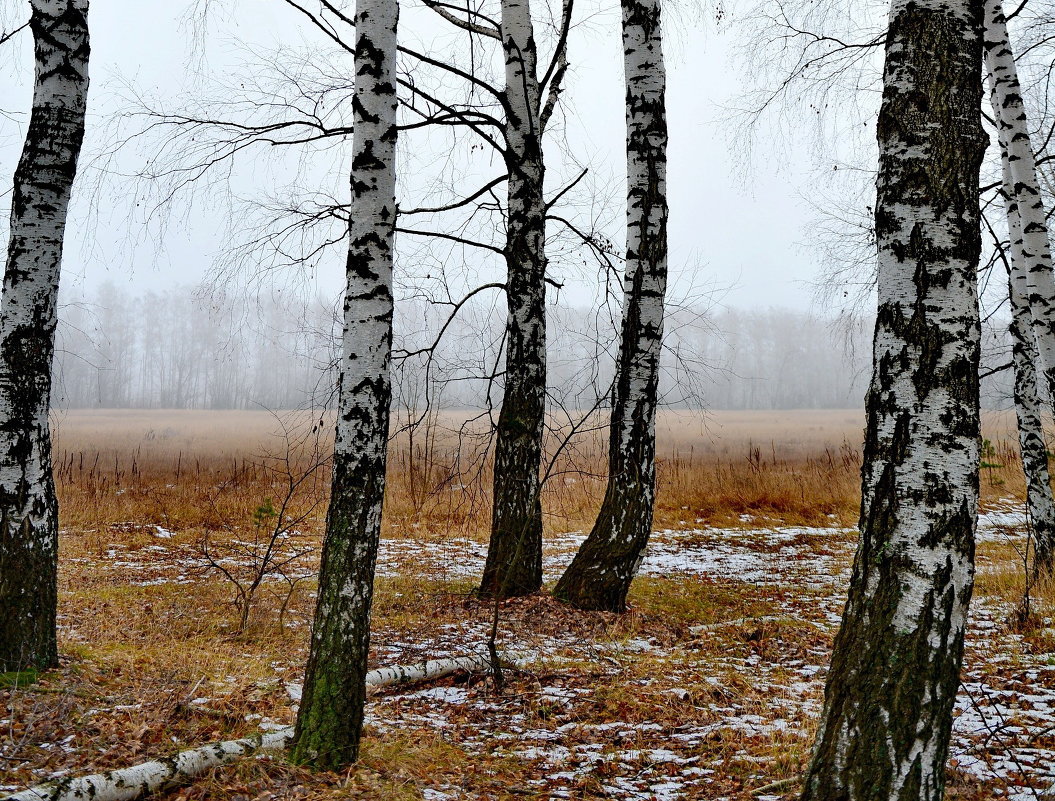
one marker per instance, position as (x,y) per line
(514,555)
(329,723)
(1024,261)
(600,575)
(884,731)
(42,186)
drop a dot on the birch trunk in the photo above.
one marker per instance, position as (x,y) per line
(329,722)
(884,731)
(42,185)
(1029,411)
(599,577)
(1028,405)
(1033,273)
(1024,261)
(514,555)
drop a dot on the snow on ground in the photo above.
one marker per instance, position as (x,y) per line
(1005,519)
(753,699)
(1004,731)
(752,556)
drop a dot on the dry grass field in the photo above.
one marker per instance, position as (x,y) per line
(193,469)
(188,551)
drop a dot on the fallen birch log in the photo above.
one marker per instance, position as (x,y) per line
(128,784)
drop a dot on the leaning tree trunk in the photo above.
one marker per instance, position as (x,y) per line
(1028,405)
(1027,257)
(514,556)
(1029,410)
(1033,272)
(884,731)
(329,723)
(599,577)
(42,185)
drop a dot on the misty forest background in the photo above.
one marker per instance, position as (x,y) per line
(606,601)
(191,348)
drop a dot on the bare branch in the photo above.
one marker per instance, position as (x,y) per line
(558,67)
(460,203)
(4,37)
(452,238)
(491,30)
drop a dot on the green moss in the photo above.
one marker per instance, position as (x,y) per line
(19,678)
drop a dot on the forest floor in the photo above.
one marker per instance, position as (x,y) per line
(709,687)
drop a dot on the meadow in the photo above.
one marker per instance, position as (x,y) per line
(188,550)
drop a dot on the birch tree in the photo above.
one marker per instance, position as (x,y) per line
(1028,404)
(1032,272)
(329,722)
(514,554)
(507,117)
(599,577)
(1030,286)
(884,731)
(1029,415)
(43,182)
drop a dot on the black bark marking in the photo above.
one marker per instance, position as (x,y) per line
(895,668)
(42,184)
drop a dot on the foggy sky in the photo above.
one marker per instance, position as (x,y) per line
(738,227)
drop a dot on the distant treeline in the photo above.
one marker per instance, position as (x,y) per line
(183,349)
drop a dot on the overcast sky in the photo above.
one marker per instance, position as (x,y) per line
(740,226)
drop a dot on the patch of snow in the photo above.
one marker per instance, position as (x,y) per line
(447,695)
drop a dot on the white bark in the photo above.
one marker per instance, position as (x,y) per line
(514,554)
(40,198)
(433,669)
(127,784)
(884,732)
(601,573)
(645,278)
(38,225)
(522,88)
(1028,406)
(1030,256)
(1032,273)
(329,722)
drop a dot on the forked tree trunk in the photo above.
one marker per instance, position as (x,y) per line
(329,723)
(1033,272)
(1028,404)
(514,556)
(884,731)
(599,577)
(40,198)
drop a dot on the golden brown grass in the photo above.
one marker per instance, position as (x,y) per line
(214,469)
(144,652)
